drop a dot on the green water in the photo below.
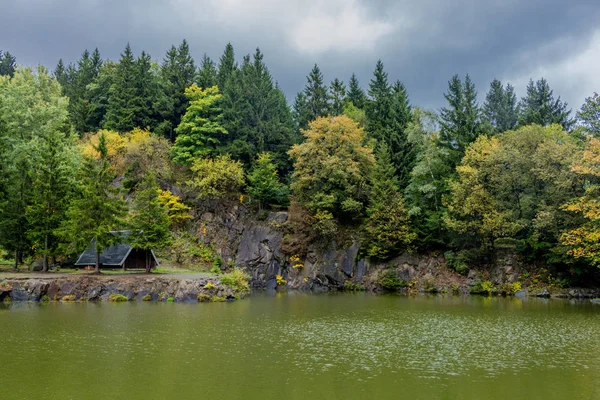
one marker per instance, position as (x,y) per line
(301,346)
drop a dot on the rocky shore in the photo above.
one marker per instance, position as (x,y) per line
(117,288)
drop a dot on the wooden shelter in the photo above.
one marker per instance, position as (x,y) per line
(118,255)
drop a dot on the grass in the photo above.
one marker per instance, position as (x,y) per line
(117,298)
(238,280)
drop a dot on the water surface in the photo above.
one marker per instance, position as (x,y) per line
(301,346)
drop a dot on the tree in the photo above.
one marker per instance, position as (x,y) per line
(589,115)
(256,115)
(331,169)
(264,185)
(500,108)
(8,64)
(512,186)
(460,122)
(300,111)
(217,178)
(123,101)
(149,220)
(82,108)
(207,74)
(227,66)
(177,73)
(355,93)
(387,225)
(200,130)
(317,99)
(97,209)
(540,107)
(337,95)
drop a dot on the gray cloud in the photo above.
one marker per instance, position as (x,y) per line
(421,43)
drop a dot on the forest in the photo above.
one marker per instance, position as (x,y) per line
(100,145)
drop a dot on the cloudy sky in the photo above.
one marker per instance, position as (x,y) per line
(422,43)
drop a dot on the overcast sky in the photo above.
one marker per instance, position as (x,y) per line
(421,42)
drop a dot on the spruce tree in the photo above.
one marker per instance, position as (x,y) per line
(337,94)
(500,107)
(317,99)
(355,93)
(589,115)
(8,64)
(460,121)
(227,67)
(123,101)
(264,185)
(540,107)
(301,111)
(97,209)
(401,149)
(149,220)
(207,74)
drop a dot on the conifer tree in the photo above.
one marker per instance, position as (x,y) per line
(97,210)
(149,220)
(317,99)
(337,95)
(200,130)
(123,103)
(8,64)
(355,93)
(500,108)
(460,121)
(264,185)
(589,115)
(301,111)
(207,74)
(540,107)
(227,66)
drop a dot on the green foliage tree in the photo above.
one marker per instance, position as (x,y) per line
(97,208)
(540,107)
(123,101)
(500,108)
(513,186)
(589,115)
(331,169)
(316,98)
(149,220)
(200,130)
(387,226)
(460,121)
(264,185)
(217,178)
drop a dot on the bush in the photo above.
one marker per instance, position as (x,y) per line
(115,297)
(238,280)
(280,280)
(217,299)
(147,298)
(45,298)
(217,178)
(203,298)
(69,298)
(170,300)
(390,282)
(350,286)
(458,261)
(209,286)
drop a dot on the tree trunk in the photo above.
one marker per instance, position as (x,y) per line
(17,260)
(147,261)
(45,263)
(97,270)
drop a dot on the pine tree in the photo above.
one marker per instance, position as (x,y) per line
(207,75)
(589,115)
(149,220)
(337,94)
(200,130)
(401,149)
(379,113)
(227,67)
(123,103)
(500,107)
(147,91)
(460,121)
(60,73)
(540,107)
(82,110)
(97,210)
(355,93)
(8,64)
(301,111)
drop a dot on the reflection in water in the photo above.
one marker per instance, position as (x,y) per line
(298,346)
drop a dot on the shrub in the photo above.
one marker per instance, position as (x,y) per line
(115,297)
(203,298)
(69,297)
(390,282)
(428,285)
(350,286)
(45,298)
(458,261)
(170,300)
(209,286)
(217,178)
(217,299)
(147,298)
(238,280)
(280,280)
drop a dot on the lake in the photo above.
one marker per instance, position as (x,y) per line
(303,346)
